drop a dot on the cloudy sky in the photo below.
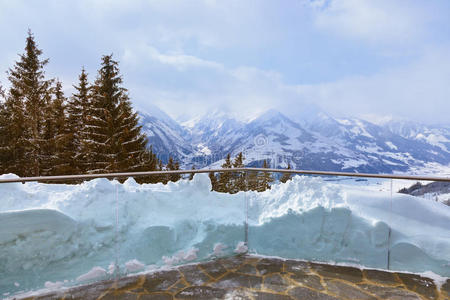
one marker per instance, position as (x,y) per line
(369,58)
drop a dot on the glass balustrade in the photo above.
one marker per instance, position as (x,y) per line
(55,235)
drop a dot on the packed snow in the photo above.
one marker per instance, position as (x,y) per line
(57,235)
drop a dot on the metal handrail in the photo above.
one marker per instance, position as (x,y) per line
(153,173)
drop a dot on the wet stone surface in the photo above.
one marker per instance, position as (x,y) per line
(251,277)
(194,276)
(308,280)
(446,288)
(275,282)
(347,291)
(267,266)
(421,285)
(344,273)
(386,292)
(381,277)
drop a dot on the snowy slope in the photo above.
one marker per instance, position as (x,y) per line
(377,148)
(310,140)
(166,137)
(213,131)
(52,233)
(318,141)
(435,135)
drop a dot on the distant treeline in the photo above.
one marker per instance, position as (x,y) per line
(233,182)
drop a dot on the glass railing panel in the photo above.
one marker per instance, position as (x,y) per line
(59,235)
(361,220)
(177,223)
(420,239)
(350,220)
(55,235)
(321,218)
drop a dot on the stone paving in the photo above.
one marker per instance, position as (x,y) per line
(252,277)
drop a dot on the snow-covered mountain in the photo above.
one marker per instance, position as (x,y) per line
(313,140)
(166,136)
(435,135)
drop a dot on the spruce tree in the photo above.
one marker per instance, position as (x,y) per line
(191,175)
(115,141)
(286,176)
(48,148)
(224,182)
(213,179)
(62,160)
(162,178)
(239,178)
(172,166)
(4,135)
(252,180)
(265,178)
(28,93)
(13,142)
(78,109)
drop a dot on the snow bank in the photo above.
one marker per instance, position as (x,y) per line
(55,232)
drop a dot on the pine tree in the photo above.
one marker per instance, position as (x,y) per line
(28,93)
(62,161)
(78,109)
(265,178)
(13,142)
(191,175)
(252,180)
(172,166)
(4,123)
(114,136)
(239,178)
(224,182)
(286,176)
(213,179)
(48,147)
(162,178)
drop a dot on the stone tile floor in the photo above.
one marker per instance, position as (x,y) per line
(251,277)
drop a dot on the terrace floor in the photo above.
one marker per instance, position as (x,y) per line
(252,277)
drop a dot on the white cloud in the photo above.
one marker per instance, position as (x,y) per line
(372,57)
(373,21)
(180,61)
(416,91)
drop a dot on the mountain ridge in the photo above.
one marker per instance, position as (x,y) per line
(317,141)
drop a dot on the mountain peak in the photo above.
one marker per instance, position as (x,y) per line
(310,140)
(270,114)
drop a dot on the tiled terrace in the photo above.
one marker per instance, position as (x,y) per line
(252,277)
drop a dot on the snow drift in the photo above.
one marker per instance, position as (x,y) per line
(69,234)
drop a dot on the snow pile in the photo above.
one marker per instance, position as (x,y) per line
(56,234)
